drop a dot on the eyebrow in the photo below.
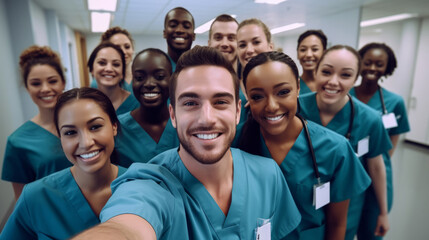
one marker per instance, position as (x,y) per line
(73,126)
(194,95)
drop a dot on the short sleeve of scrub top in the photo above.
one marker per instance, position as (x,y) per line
(32,153)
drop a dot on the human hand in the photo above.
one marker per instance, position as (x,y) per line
(382,225)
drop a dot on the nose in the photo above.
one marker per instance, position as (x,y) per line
(108,67)
(85,140)
(308,53)
(250,49)
(224,42)
(150,83)
(333,80)
(372,66)
(207,114)
(271,105)
(45,86)
(180,28)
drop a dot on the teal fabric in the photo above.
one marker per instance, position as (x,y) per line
(394,103)
(337,163)
(31,153)
(366,123)
(50,208)
(244,110)
(303,88)
(134,144)
(175,203)
(128,105)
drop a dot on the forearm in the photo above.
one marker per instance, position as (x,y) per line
(377,172)
(394,140)
(122,227)
(336,220)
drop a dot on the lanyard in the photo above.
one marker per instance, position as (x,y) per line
(382,100)
(310,147)
(352,116)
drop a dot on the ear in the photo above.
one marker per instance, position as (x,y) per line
(115,129)
(271,46)
(172,115)
(193,37)
(237,121)
(164,34)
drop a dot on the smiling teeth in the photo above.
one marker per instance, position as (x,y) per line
(89,155)
(331,91)
(47,98)
(274,118)
(207,136)
(151,95)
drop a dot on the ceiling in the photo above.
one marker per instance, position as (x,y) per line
(147,17)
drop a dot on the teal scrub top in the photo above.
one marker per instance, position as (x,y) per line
(337,163)
(303,88)
(244,111)
(128,105)
(173,64)
(134,144)
(176,204)
(32,152)
(366,122)
(51,208)
(394,103)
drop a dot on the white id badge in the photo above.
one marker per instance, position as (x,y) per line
(321,194)
(263,232)
(389,120)
(363,146)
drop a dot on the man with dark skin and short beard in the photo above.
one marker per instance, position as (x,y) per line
(179,28)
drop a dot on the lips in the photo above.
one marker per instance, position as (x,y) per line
(275,118)
(89,156)
(207,136)
(47,98)
(179,40)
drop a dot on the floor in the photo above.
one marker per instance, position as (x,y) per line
(409,217)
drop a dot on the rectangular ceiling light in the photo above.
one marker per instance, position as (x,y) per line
(206,26)
(273,2)
(392,18)
(100,21)
(102,5)
(287,28)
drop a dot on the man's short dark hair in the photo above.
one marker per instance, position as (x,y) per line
(200,56)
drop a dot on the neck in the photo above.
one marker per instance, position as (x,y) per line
(174,54)
(331,109)
(308,76)
(151,116)
(93,182)
(235,65)
(217,178)
(209,174)
(129,73)
(115,93)
(367,87)
(45,119)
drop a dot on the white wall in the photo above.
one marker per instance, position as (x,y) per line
(10,117)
